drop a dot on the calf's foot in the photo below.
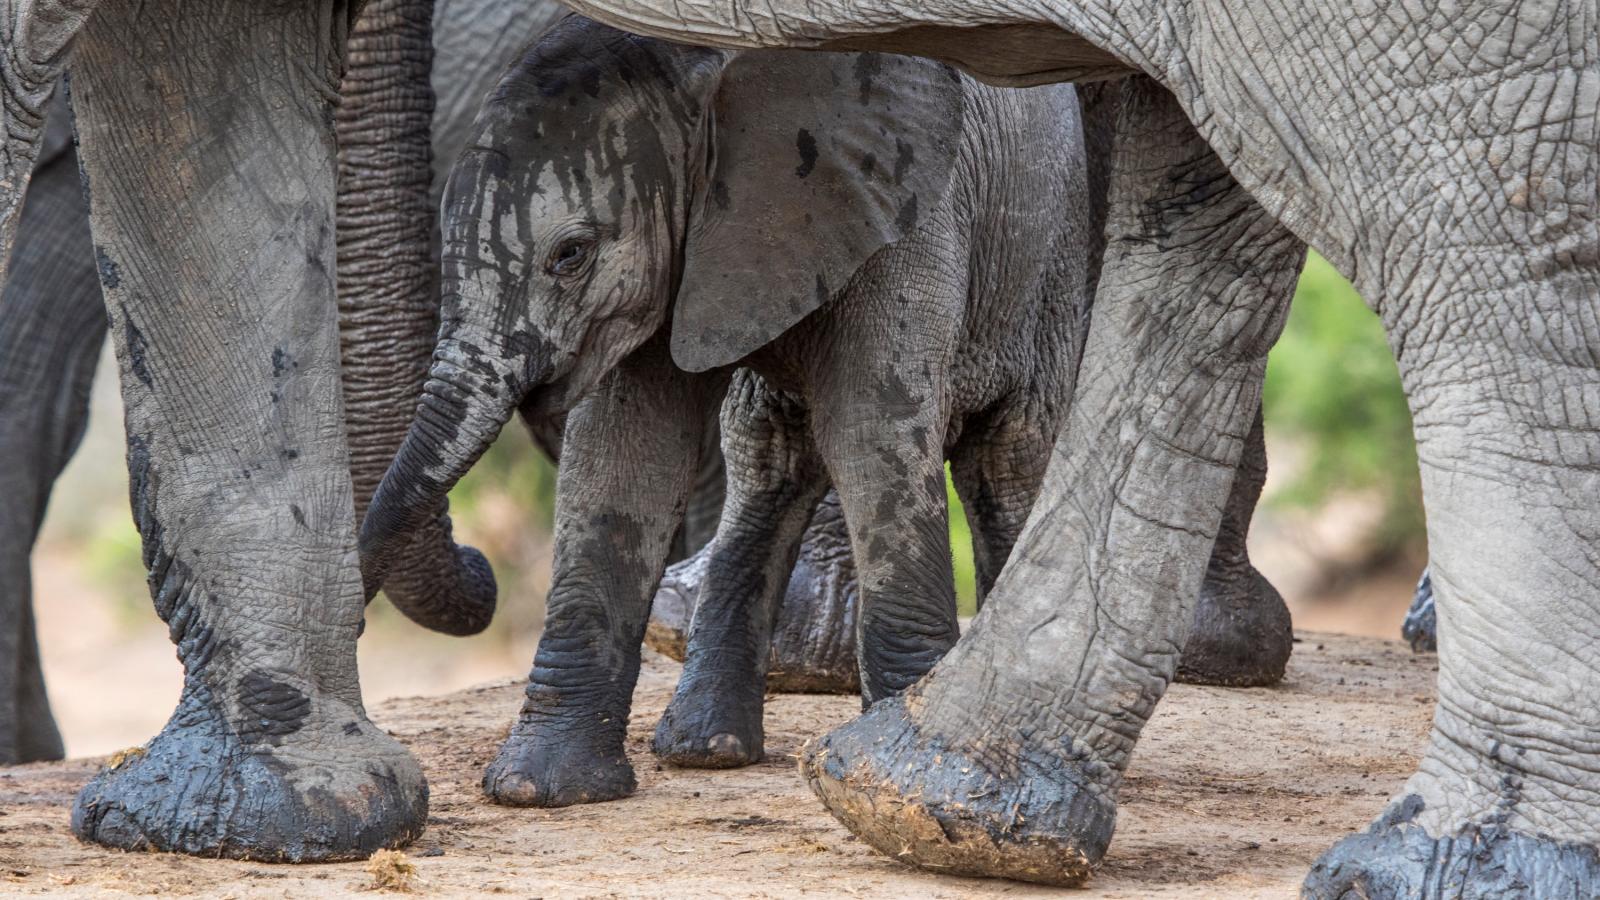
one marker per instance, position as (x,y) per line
(913,798)
(292,778)
(711,724)
(548,767)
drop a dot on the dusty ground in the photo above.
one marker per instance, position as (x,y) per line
(1232,794)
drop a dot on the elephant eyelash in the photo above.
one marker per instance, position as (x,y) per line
(571,255)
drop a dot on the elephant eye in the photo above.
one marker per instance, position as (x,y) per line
(569,256)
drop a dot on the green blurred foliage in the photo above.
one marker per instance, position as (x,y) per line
(515,469)
(1333,392)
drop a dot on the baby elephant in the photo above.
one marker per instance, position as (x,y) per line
(895,254)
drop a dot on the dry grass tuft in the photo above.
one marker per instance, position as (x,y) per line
(391,870)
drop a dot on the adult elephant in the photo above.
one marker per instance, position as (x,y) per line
(1445,158)
(52,321)
(215,245)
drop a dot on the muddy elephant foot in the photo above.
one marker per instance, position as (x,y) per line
(813,648)
(916,800)
(1397,858)
(1241,635)
(1420,629)
(334,788)
(710,726)
(561,768)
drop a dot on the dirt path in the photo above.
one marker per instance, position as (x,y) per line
(1232,794)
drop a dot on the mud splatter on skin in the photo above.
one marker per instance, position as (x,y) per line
(807,146)
(136,347)
(269,708)
(1397,858)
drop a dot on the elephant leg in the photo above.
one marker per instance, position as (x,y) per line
(35,37)
(1007,758)
(629,457)
(1421,626)
(814,641)
(52,325)
(1505,402)
(206,139)
(774,481)
(998,468)
(887,464)
(1241,635)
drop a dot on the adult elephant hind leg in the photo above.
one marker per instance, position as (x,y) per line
(774,480)
(214,236)
(1506,409)
(52,326)
(1241,635)
(1007,758)
(629,455)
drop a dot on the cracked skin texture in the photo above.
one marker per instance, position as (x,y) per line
(1445,158)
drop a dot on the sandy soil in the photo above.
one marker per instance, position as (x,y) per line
(1232,794)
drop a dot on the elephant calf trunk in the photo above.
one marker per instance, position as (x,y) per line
(465,403)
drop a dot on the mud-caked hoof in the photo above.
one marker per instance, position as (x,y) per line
(920,801)
(1396,858)
(701,731)
(559,769)
(1241,635)
(1421,627)
(335,789)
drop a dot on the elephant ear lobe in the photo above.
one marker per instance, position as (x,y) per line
(815,162)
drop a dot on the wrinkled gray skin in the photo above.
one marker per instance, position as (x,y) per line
(1447,159)
(51,328)
(53,320)
(813,646)
(559,259)
(214,244)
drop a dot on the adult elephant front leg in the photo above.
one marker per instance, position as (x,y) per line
(1006,759)
(206,137)
(629,457)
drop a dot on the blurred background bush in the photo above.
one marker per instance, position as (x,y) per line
(1339,532)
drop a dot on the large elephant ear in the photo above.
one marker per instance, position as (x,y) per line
(815,161)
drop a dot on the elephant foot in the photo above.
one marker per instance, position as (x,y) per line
(290,788)
(706,727)
(560,769)
(911,796)
(1398,858)
(1420,629)
(1241,635)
